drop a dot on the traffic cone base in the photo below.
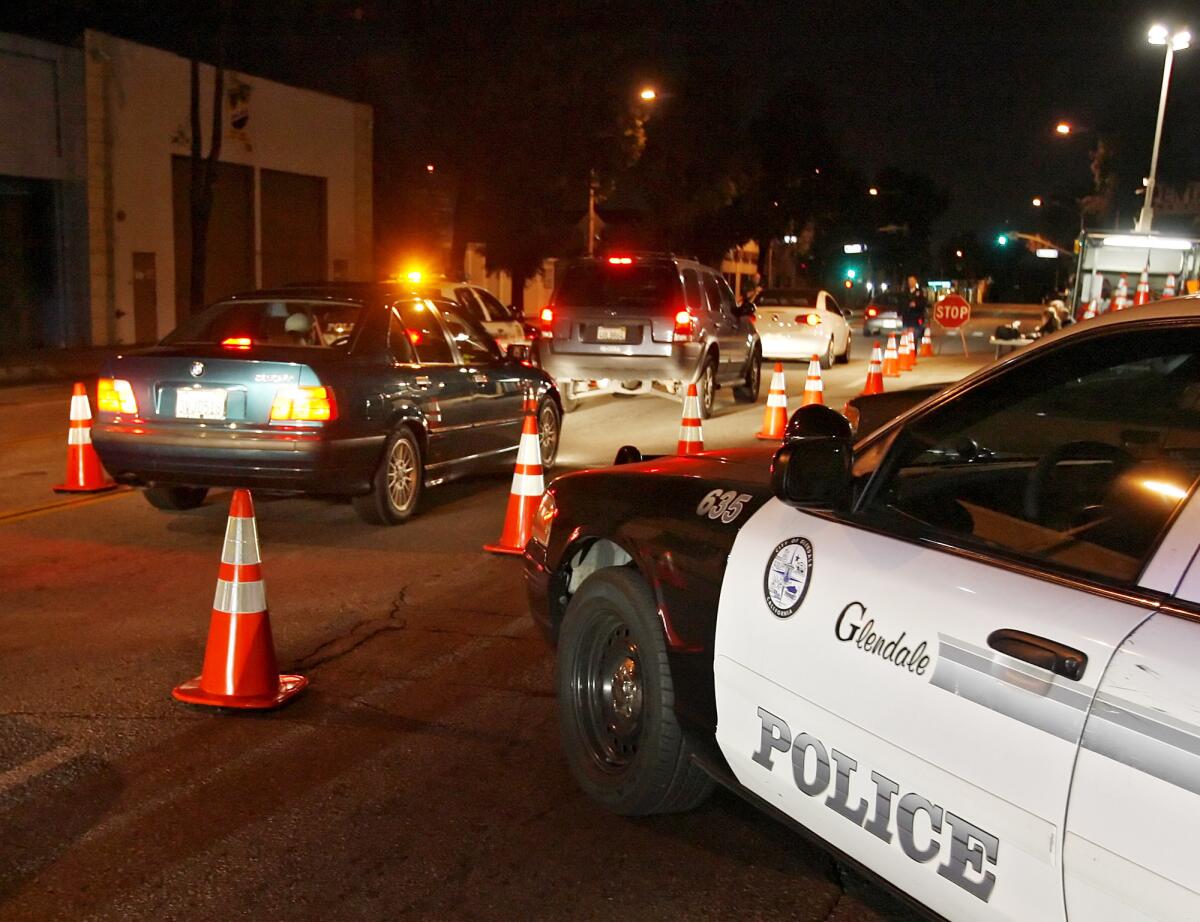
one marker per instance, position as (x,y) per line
(85,474)
(775,416)
(926,344)
(528,485)
(240,670)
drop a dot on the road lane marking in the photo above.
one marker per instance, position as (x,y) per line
(22,514)
(47,761)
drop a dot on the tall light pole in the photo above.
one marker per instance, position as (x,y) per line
(647,95)
(1160,35)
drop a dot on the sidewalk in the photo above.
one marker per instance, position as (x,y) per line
(39,365)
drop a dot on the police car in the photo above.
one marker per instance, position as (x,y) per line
(964,652)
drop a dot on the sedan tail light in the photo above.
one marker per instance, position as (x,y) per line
(310,404)
(811,320)
(115,395)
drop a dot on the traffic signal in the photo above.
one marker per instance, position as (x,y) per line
(1002,240)
(851,273)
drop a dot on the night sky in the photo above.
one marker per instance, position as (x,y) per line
(968,93)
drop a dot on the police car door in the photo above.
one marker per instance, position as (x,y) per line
(910,678)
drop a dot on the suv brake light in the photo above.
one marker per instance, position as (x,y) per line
(620,260)
(547,318)
(115,395)
(872,312)
(685,327)
(310,404)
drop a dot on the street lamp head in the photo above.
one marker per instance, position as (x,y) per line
(1063,128)
(1037,201)
(1158,34)
(1181,39)
(648,94)
(872,191)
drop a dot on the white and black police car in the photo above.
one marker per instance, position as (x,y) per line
(964,652)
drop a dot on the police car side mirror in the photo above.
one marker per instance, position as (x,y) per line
(813,469)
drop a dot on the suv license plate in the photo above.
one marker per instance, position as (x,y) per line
(200,403)
(611,334)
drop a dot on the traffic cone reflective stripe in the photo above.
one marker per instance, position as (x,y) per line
(775,416)
(874,383)
(891,361)
(85,474)
(1142,295)
(691,435)
(905,356)
(1121,298)
(528,485)
(1169,288)
(240,669)
(814,387)
(912,350)
(927,344)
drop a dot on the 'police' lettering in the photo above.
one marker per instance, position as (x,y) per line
(971,849)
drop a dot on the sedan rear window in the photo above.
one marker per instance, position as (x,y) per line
(315,324)
(646,286)
(790,297)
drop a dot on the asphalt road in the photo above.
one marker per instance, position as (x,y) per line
(419,776)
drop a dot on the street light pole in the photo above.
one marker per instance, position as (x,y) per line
(1180,40)
(591,217)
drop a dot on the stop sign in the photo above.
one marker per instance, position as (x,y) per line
(952,311)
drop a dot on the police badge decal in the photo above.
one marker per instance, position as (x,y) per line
(785,581)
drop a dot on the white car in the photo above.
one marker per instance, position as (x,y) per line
(505,324)
(798,323)
(964,652)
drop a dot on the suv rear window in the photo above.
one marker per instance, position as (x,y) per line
(645,286)
(318,324)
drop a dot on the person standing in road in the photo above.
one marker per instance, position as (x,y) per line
(913,307)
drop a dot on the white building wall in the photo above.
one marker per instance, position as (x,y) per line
(144,94)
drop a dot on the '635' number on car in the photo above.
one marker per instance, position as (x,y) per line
(725,505)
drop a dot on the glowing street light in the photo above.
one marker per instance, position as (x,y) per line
(1177,41)
(872,191)
(1037,201)
(1063,128)
(648,94)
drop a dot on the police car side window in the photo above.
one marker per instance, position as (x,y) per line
(1074,461)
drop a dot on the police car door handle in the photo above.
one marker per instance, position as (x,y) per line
(1041,652)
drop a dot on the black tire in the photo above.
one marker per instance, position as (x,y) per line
(549,431)
(827,358)
(623,743)
(566,394)
(844,358)
(747,391)
(397,483)
(174,499)
(706,386)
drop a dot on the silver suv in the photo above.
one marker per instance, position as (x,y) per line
(648,324)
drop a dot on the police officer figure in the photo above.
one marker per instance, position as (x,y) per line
(913,307)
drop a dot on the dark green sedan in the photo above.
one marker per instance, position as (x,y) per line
(359,390)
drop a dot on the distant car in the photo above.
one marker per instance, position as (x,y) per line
(356,390)
(882,315)
(798,323)
(505,324)
(635,324)
(962,651)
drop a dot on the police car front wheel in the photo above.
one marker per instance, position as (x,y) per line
(616,701)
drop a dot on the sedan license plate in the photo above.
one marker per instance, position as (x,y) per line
(200,403)
(611,334)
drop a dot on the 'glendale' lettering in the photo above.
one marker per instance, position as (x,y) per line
(968,845)
(862,635)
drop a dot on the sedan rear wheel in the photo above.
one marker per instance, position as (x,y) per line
(827,358)
(175,499)
(549,429)
(397,484)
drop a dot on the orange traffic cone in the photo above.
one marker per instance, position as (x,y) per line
(1169,288)
(1142,295)
(1093,306)
(527,489)
(814,387)
(691,435)
(775,417)
(874,383)
(927,344)
(84,471)
(1120,300)
(905,355)
(912,349)
(891,361)
(239,661)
